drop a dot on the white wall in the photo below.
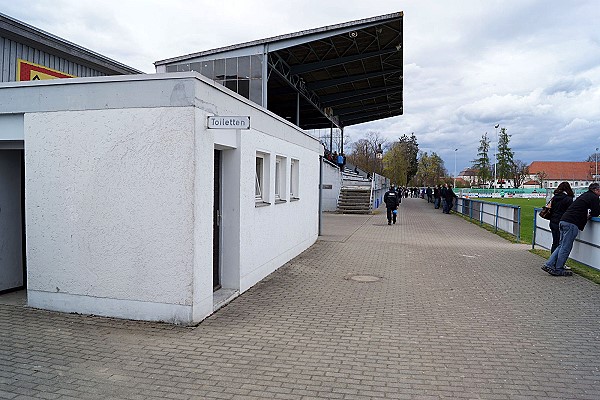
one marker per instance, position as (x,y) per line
(331,176)
(109,199)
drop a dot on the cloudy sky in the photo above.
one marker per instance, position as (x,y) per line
(533,66)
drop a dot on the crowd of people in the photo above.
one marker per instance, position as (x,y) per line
(334,157)
(441,196)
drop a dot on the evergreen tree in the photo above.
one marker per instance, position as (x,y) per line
(411,149)
(482,163)
(505,166)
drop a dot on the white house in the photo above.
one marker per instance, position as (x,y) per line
(134,208)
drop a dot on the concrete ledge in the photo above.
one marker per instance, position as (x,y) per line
(128,309)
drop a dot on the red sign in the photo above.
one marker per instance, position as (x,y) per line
(27,71)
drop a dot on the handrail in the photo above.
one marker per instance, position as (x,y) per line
(371,195)
(496,219)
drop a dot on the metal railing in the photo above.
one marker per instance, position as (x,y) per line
(504,217)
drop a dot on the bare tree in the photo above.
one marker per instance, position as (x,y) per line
(364,152)
(520,171)
(541,177)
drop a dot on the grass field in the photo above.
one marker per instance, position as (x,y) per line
(527,206)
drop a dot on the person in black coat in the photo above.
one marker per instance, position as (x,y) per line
(573,220)
(562,199)
(437,196)
(449,195)
(391,200)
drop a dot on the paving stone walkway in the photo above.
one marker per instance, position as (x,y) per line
(432,307)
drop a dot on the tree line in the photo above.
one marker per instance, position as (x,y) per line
(405,165)
(401,161)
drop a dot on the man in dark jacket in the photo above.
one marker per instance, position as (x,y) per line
(391,200)
(437,196)
(449,195)
(573,220)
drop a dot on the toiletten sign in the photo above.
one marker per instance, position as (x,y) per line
(215,122)
(27,71)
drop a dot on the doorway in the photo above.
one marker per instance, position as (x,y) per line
(12,220)
(217,222)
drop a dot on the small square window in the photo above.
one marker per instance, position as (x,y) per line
(262,179)
(259,182)
(295,179)
(280,179)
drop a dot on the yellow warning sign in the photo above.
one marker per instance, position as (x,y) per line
(28,71)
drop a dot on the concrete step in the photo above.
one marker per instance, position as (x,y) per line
(354,211)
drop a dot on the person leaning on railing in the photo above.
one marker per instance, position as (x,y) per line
(562,199)
(587,205)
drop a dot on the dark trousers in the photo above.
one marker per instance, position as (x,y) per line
(390,214)
(555,236)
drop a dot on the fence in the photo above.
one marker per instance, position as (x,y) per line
(379,185)
(585,249)
(505,217)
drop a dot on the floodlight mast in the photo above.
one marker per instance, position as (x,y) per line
(496,156)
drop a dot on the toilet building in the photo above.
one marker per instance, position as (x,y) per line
(135,208)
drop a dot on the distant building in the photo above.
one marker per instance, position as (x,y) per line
(577,173)
(469,176)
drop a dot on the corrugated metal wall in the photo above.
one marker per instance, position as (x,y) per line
(10,51)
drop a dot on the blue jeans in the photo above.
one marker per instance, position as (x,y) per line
(568,233)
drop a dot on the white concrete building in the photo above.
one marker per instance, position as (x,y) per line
(134,208)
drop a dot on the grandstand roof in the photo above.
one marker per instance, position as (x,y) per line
(346,74)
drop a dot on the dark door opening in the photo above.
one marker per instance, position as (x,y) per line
(217,223)
(13,273)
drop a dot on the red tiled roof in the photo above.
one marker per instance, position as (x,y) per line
(564,170)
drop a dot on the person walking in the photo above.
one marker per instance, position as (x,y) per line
(391,200)
(562,199)
(573,220)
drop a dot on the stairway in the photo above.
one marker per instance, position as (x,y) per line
(355,200)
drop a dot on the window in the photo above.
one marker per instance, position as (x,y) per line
(262,179)
(258,187)
(294,180)
(280,175)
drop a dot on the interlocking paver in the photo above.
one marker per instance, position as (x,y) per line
(457,312)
